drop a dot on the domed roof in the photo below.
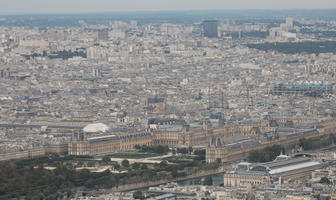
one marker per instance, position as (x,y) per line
(98,127)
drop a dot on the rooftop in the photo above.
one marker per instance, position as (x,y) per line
(103,138)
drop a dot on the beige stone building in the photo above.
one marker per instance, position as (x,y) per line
(187,136)
(81,145)
(280,170)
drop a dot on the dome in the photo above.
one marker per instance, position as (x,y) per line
(98,127)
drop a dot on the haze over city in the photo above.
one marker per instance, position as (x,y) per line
(166,100)
(89,6)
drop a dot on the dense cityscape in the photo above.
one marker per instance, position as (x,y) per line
(209,107)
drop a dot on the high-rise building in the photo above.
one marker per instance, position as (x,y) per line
(210,28)
(103,35)
(289,22)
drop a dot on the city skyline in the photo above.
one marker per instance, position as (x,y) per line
(153,99)
(87,6)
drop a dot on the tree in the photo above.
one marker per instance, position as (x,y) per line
(106,159)
(138,195)
(125,163)
(265,155)
(90,164)
(80,163)
(161,149)
(197,181)
(208,180)
(174,151)
(144,166)
(174,173)
(182,150)
(84,174)
(325,180)
(315,143)
(68,193)
(200,154)
(190,150)
(163,164)
(155,149)
(111,181)
(89,183)
(306,144)
(136,166)
(116,166)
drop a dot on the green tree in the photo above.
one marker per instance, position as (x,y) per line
(116,166)
(190,150)
(144,166)
(265,155)
(306,144)
(200,154)
(106,159)
(197,181)
(208,180)
(136,166)
(174,151)
(163,164)
(68,193)
(182,150)
(111,181)
(90,183)
(125,163)
(90,164)
(138,195)
(174,173)
(325,180)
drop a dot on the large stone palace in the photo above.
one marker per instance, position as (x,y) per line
(218,136)
(81,145)
(223,139)
(281,132)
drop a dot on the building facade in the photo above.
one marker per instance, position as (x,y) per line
(280,170)
(81,145)
(210,28)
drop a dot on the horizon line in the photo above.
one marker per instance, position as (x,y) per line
(158,11)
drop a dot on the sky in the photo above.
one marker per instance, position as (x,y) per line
(94,6)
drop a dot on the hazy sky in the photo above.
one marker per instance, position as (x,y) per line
(80,6)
